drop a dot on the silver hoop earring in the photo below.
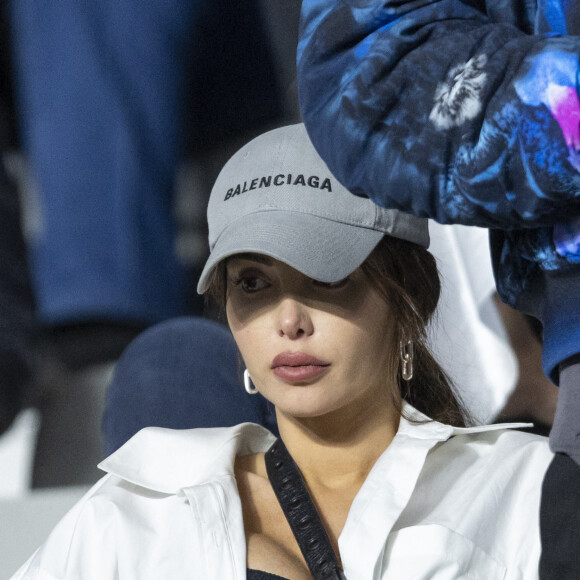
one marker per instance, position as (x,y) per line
(406,353)
(250,388)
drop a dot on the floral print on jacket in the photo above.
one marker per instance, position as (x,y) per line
(461,111)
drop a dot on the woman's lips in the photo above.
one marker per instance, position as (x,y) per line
(298,366)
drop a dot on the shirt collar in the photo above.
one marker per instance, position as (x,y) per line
(168,460)
(416,424)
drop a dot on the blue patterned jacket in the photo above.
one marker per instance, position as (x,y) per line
(465,112)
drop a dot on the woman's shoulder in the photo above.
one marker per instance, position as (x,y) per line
(494,453)
(477,444)
(468,461)
(482,489)
(136,515)
(118,526)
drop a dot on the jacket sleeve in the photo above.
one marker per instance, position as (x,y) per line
(445,108)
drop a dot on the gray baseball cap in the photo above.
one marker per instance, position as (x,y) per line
(276,197)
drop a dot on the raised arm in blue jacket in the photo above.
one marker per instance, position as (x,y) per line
(448,109)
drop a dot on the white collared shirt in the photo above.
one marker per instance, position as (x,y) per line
(440,503)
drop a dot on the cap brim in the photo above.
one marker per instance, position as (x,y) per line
(322,249)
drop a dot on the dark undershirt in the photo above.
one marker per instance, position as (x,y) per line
(259,575)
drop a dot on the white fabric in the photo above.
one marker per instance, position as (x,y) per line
(467,337)
(440,503)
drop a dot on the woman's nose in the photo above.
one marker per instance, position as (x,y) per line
(294,319)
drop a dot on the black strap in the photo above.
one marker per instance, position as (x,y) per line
(300,511)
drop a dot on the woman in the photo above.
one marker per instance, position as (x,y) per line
(327,297)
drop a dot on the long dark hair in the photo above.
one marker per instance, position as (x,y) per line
(407,278)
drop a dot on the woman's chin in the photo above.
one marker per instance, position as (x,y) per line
(306,407)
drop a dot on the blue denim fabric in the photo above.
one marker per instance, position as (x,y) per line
(181,374)
(100,87)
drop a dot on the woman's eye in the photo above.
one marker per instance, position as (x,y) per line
(250,284)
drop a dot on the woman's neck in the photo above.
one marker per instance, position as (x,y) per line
(339,449)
